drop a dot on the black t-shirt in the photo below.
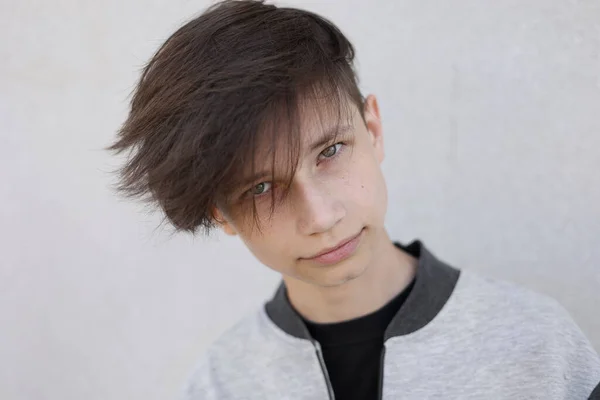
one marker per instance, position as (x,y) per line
(352,350)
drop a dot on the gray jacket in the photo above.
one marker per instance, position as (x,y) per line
(457,336)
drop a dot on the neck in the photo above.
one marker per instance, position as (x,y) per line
(390,272)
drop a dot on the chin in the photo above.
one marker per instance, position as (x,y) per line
(342,275)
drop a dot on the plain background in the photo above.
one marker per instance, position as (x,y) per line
(491,112)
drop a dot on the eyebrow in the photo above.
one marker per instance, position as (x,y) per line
(328,136)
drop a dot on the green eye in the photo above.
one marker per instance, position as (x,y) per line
(331,150)
(261,188)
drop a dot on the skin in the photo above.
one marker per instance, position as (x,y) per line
(338,192)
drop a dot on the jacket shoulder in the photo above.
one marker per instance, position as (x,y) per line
(528,326)
(234,363)
(207,379)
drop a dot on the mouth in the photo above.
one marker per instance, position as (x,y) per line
(339,252)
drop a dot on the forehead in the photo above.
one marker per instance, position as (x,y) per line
(286,134)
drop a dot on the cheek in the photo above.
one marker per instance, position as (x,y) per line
(272,244)
(365,188)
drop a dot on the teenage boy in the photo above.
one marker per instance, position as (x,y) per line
(249,119)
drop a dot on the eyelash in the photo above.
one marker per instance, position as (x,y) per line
(325,159)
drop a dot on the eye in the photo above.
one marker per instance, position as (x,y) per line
(261,188)
(331,150)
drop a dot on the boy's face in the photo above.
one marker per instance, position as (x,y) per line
(327,229)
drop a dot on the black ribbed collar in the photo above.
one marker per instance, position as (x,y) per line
(434,283)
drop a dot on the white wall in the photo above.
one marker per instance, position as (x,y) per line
(491,111)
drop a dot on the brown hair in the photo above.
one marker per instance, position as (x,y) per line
(225,82)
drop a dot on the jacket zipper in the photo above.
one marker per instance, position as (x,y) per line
(326,374)
(381,365)
(324,370)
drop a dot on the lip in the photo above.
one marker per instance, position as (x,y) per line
(340,252)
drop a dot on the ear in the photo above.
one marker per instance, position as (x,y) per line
(374,126)
(222,222)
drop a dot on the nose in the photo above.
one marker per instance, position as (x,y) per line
(318,209)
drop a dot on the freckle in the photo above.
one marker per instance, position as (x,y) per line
(362,186)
